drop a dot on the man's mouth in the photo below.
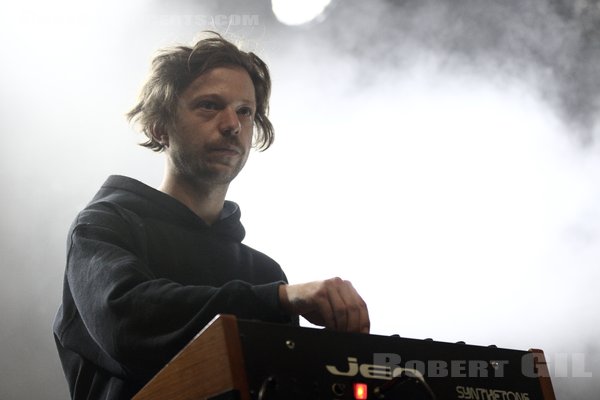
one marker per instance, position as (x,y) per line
(226,150)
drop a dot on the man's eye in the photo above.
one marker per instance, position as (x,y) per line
(246,111)
(207,105)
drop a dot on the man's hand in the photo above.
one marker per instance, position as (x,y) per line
(333,303)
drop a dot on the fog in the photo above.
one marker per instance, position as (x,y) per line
(442,155)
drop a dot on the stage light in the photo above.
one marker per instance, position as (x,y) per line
(298,13)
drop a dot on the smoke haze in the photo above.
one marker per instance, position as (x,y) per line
(442,155)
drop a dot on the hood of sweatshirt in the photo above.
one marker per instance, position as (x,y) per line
(127,193)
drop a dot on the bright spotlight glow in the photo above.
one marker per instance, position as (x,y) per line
(298,13)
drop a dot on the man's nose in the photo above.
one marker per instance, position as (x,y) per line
(230,122)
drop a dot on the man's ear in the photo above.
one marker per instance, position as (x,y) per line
(160,135)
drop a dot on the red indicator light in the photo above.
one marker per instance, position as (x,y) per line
(360,391)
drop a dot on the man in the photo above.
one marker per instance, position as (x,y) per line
(146,268)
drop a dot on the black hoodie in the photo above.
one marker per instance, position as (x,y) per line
(144,274)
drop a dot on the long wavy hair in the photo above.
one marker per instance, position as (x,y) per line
(174,69)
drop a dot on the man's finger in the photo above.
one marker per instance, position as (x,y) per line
(339,305)
(352,303)
(365,322)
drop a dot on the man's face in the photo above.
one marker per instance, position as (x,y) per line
(213,129)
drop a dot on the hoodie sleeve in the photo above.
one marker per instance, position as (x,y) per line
(138,320)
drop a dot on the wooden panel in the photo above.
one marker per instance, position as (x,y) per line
(544,374)
(210,364)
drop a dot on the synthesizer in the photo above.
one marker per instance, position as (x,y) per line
(250,360)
